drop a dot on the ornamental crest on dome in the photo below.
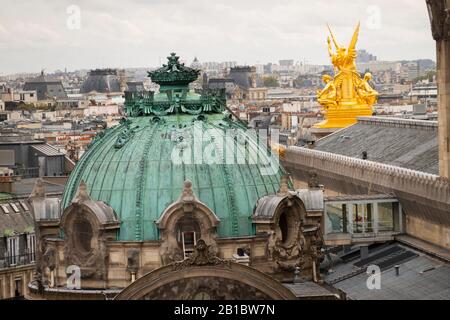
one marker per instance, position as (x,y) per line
(174,72)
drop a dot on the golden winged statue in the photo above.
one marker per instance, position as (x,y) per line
(346,95)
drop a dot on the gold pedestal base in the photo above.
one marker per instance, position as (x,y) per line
(343,116)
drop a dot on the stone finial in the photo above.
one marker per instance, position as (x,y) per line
(284,186)
(82,193)
(188,194)
(313,182)
(38,189)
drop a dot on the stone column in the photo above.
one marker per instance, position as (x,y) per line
(375,218)
(439,11)
(443,74)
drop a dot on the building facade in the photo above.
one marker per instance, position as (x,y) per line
(179,201)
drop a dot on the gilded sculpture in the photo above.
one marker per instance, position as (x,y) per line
(346,95)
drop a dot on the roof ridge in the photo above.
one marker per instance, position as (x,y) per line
(399,122)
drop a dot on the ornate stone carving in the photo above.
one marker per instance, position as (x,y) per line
(284,186)
(170,254)
(133,260)
(186,209)
(88,225)
(440,19)
(49,258)
(271,245)
(124,136)
(200,257)
(313,182)
(174,72)
(206,288)
(291,266)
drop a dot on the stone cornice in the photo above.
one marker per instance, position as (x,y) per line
(390,177)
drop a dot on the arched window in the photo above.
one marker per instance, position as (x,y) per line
(83,233)
(287,226)
(188,232)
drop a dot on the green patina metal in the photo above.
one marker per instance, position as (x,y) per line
(136,167)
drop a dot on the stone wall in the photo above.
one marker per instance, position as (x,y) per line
(425,198)
(8,277)
(149,259)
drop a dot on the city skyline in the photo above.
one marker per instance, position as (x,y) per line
(82,35)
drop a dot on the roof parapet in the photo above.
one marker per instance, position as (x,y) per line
(399,122)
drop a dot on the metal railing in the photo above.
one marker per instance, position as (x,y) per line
(358,227)
(30,172)
(8,260)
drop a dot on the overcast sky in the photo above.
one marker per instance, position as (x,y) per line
(141,33)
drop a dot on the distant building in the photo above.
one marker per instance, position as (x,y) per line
(29,157)
(17,247)
(101,81)
(364,57)
(196,64)
(11,95)
(46,89)
(243,76)
(220,83)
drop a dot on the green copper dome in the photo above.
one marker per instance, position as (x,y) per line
(139,166)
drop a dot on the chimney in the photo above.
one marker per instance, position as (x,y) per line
(397,270)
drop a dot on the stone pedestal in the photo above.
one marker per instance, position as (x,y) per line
(245,259)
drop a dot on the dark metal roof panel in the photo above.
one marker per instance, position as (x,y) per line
(410,144)
(48,150)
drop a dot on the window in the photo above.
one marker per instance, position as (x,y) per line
(31,246)
(362,218)
(15,208)
(12,247)
(188,232)
(385,217)
(83,234)
(5,208)
(18,288)
(24,206)
(336,218)
(286,226)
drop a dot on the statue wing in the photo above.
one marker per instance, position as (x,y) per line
(333,37)
(352,46)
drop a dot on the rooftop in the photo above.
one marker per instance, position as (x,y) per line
(420,276)
(406,143)
(15,217)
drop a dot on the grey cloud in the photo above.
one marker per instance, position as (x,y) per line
(33,34)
